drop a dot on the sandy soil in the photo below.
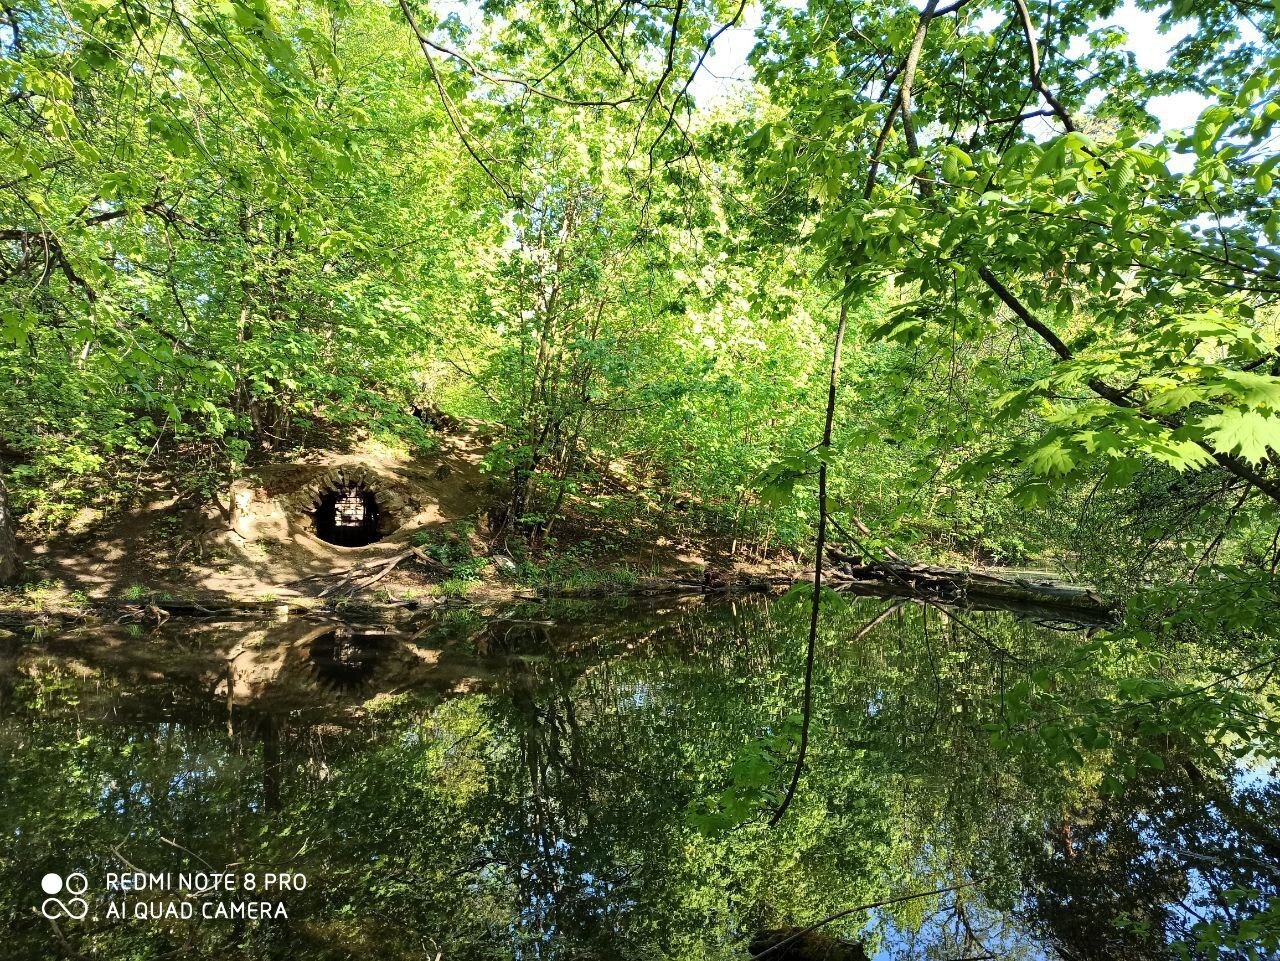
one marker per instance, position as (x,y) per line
(262,546)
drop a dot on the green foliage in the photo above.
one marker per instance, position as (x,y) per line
(451,547)
(135,592)
(195,262)
(234,229)
(623,758)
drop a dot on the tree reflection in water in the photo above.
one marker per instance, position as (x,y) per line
(591,781)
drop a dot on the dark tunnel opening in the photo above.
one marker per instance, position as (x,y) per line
(348,516)
(345,660)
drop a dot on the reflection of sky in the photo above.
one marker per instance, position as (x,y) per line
(536,858)
(195,771)
(999,937)
(1253,776)
(1002,936)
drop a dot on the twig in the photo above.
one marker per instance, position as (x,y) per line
(854,910)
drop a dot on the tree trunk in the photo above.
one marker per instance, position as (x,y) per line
(983,590)
(8,539)
(833,385)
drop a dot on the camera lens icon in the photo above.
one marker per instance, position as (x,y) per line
(74,907)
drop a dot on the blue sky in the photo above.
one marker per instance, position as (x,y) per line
(726,69)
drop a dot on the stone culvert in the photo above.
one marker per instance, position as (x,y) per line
(349,505)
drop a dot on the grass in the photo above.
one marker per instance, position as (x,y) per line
(456,586)
(452,548)
(45,594)
(569,572)
(576,567)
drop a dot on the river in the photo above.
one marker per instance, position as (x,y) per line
(574,780)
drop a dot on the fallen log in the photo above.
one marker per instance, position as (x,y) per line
(957,586)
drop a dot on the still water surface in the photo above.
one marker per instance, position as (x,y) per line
(588,780)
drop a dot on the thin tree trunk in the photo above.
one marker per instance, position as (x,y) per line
(8,539)
(821,546)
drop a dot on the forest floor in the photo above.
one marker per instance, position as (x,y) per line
(262,547)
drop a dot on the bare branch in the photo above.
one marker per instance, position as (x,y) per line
(499,78)
(1033,54)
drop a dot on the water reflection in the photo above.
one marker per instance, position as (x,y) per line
(345,657)
(587,781)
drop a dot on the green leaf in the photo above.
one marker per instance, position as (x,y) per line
(1257,390)
(1051,458)
(1246,432)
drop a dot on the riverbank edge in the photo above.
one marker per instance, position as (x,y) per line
(1046,600)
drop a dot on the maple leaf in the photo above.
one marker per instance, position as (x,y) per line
(1259,390)
(1248,432)
(1051,458)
